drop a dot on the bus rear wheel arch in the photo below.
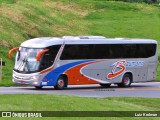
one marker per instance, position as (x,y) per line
(126,80)
(62,82)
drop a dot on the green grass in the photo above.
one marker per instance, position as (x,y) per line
(21,20)
(64,103)
(70,103)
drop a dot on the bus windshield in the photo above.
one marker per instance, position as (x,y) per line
(26,60)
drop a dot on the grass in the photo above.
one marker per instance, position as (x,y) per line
(69,103)
(22,20)
(56,103)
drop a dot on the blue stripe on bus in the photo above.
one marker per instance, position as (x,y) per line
(51,77)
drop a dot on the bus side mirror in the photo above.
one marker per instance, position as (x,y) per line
(11,51)
(38,56)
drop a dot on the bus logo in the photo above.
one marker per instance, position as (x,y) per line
(118,68)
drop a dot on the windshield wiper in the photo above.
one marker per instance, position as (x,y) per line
(24,61)
(20,66)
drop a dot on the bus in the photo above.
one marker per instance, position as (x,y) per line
(79,60)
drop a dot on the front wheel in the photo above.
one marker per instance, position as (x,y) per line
(126,81)
(61,83)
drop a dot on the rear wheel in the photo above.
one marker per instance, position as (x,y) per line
(61,83)
(105,85)
(126,81)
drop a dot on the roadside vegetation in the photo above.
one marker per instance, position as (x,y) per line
(25,19)
(71,103)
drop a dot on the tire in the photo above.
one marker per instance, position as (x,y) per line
(105,85)
(38,87)
(126,81)
(61,83)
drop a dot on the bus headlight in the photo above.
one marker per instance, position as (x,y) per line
(35,83)
(34,77)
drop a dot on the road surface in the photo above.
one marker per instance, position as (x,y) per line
(149,90)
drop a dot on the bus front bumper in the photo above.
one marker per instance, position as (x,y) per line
(26,82)
(26,79)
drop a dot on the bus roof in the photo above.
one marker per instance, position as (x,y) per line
(44,42)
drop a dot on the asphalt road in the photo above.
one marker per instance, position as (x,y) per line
(149,90)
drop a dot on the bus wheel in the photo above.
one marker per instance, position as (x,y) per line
(126,81)
(61,83)
(38,87)
(105,85)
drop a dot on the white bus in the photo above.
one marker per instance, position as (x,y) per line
(77,60)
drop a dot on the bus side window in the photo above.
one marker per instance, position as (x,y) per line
(150,49)
(49,57)
(129,51)
(141,51)
(116,51)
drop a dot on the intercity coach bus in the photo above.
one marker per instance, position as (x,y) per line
(77,60)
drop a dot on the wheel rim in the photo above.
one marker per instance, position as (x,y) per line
(127,81)
(61,83)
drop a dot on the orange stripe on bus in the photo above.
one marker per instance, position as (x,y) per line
(47,70)
(113,75)
(121,65)
(76,78)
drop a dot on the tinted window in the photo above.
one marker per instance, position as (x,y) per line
(145,50)
(49,57)
(108,51)
(129,51)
